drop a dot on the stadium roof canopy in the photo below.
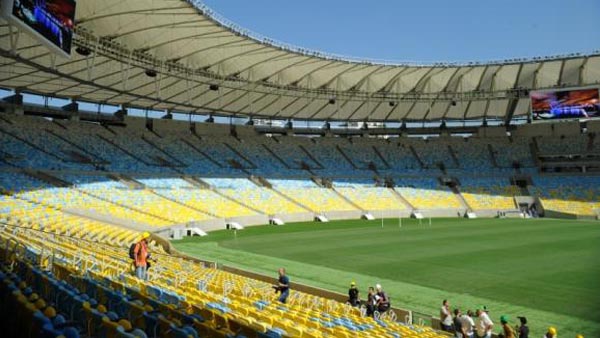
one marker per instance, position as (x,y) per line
(178,55)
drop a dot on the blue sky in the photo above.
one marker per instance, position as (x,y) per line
(424,30)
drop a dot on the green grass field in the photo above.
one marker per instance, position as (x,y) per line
(547,270)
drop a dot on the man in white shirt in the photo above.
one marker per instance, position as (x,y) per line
(468,324)
(484,324)
(446,316)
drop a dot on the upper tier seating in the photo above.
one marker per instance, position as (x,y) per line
(508,151)
(292,152)
(565,145)
(432,152)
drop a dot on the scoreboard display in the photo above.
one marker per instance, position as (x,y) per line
(565,104)
(50,21)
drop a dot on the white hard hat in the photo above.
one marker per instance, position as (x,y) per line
(378,286)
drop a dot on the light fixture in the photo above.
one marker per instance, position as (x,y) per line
(83,51)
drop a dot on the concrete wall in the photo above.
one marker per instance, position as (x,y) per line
(250,220)
(442,212)
(593,126)
(499,131)
(299,217)
(335,215)
(534,129)
(405,213)
(566,128)
(212,129)
(245,131)
(137,123)
(165,127)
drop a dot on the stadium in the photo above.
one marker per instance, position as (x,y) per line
(162,129)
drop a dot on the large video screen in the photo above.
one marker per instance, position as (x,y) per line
(565,104)
(52,19)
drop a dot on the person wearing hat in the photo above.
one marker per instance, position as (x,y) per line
(383,301)
(579,336)
(484,323)
(353,296)
(523,328)
(140,256)
(507,331)
(551,332)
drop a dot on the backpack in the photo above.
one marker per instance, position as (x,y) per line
(132,250)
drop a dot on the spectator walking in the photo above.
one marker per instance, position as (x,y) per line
(140,256)
(283,286)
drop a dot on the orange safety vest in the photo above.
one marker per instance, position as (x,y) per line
(140,254)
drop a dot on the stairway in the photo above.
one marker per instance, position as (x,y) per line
(127,181)
(535,151)
(206,212)
(235,200)
(454,157)
(125,206)
(47,178)
(292,200)
(175,161)
(346,157)
(199,151)
(414,152)
(349,201)
(461,198)
(524,191)
(311,156)
(242,156)
(127,152)
(33,145)
(196,182)
(96,159)
(402,200)
(285,164)
(492,153)
(381,157)
(590,143)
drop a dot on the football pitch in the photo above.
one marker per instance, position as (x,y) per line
(547,270)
